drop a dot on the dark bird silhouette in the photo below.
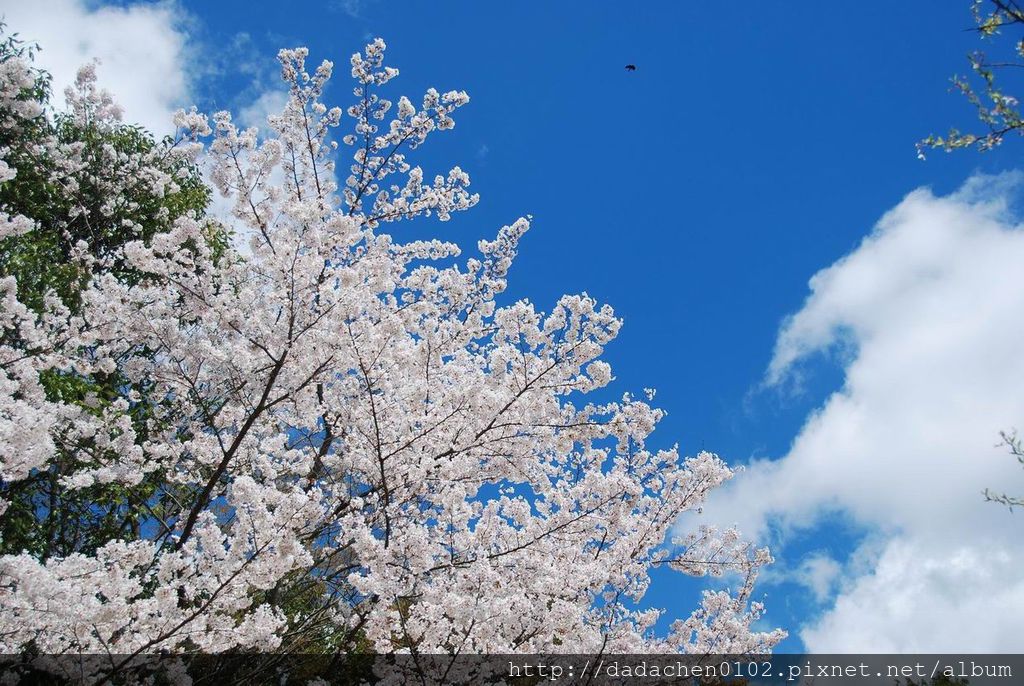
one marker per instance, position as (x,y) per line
(630,67)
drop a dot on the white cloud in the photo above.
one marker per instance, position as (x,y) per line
(929,314)
(142,50)
(353,8)
(963,597)
(270,101)
(819,573)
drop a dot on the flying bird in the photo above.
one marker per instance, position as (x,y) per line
(630,67)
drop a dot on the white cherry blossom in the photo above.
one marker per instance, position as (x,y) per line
(342,416)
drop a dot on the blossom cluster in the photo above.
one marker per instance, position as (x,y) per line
(335,439)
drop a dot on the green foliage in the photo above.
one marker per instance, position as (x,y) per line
(106,205)
(103,205)
(72,207)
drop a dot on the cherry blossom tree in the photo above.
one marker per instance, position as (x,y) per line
(334,440)
(94,183)
(996,108)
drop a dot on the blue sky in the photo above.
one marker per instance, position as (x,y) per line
(755,145)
